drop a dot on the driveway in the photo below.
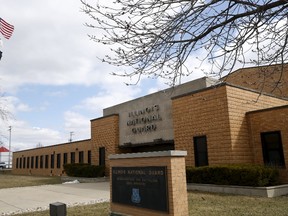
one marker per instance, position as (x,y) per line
(27,199)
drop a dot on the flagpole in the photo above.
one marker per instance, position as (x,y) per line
(1,47)
(10,129)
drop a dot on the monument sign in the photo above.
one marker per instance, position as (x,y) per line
(144,187)
(148,183)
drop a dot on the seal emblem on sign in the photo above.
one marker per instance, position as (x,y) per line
(135,197)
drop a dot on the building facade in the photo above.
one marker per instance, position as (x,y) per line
(215,122)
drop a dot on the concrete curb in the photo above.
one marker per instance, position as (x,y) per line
(272,191)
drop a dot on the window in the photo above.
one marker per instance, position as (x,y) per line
(17,163)
(24,163)
(58,161)
(81,157)
(32,162)
(36,162)
(28,162)
(200,151)
(89,157)
(272,148)
(20,166)
(65,158)
(46,161)
(41,161)
(102,156)
(72,157)
(52,161)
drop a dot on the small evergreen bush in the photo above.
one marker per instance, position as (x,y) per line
(84,170)
(241,175)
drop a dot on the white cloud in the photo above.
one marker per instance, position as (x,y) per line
(78,124)
(13,105)
(49,46)
(24,136)
(23,108)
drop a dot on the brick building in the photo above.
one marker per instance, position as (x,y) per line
(236,120)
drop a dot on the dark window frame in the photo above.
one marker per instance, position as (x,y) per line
(58,162)
(102,152)
(17,163)
(72,157)
(36,162)
(32,162)
(28,162)
(267,150)
(46,161)
(52,161)
(89,157)
(65,158)
(81,157)
(24,162)
(201,157)
(20,166)
(41,161)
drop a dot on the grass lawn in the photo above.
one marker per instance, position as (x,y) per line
(10,181)
(88,210)
(200,204)
(203,204)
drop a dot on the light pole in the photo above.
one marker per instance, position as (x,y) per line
(10,129)
(71,134)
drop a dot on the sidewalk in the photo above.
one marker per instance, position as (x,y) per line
(27,199)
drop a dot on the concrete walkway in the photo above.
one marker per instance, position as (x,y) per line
(27,199)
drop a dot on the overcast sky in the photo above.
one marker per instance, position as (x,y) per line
(50,78)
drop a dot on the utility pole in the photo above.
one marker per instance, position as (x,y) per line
(9,159)
(71,134)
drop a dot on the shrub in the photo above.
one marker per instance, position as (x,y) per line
(84,170)
(242,175)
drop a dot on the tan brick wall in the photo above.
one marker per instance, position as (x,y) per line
(218,113)
(105,133)
(269,79)
(203,113)
(268,121)
(76,147)
(239,102)
(176,175)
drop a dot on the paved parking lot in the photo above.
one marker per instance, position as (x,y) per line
(25,199)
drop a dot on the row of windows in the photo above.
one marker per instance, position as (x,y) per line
(272,149)
(48,161)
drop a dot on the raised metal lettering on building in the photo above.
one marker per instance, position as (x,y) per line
(144,120)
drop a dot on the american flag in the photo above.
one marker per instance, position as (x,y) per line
(6,29)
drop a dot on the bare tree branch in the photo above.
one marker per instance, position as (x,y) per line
(4,112)
(156,38)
